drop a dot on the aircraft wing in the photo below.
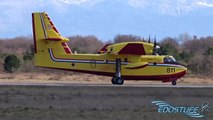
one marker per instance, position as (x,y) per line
(131,48)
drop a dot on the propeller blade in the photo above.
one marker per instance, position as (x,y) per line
(154,47)
(149,39)
(155,44)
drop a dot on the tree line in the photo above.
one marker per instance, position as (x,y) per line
(194,53)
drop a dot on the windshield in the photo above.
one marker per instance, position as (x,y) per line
(169,60)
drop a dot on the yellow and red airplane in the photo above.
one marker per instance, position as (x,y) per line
(122,61)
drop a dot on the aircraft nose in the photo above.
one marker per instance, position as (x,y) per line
(184,69)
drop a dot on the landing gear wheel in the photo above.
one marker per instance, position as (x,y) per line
(174,82)
(117,80)
(113,80)
(120,81)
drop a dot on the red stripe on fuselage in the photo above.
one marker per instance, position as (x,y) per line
(156,77)
(138,67)
(126,77)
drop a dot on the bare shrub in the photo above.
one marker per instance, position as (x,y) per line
(85,44)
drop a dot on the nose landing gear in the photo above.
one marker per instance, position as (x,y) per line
(174,82)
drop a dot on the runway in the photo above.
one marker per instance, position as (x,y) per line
(65,101)
(107,85)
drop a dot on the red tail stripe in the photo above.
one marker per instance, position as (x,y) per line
(66,48)
(55,29)
(51,23)
(64,44)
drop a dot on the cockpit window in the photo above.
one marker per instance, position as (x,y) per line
(169,60)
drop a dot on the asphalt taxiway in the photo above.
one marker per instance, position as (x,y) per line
(107,85)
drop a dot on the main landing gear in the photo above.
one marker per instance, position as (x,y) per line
(117,79)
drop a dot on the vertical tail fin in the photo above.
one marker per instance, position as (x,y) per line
(46,35)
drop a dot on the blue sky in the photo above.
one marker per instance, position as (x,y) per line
(107,18)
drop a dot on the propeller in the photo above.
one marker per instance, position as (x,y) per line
(155,44)
(149,39)
(155,47)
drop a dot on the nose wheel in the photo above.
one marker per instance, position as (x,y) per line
(117,79)
(174,82)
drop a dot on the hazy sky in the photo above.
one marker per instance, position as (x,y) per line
(107,18)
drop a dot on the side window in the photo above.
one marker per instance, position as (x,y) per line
(169,60)
(165,60)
